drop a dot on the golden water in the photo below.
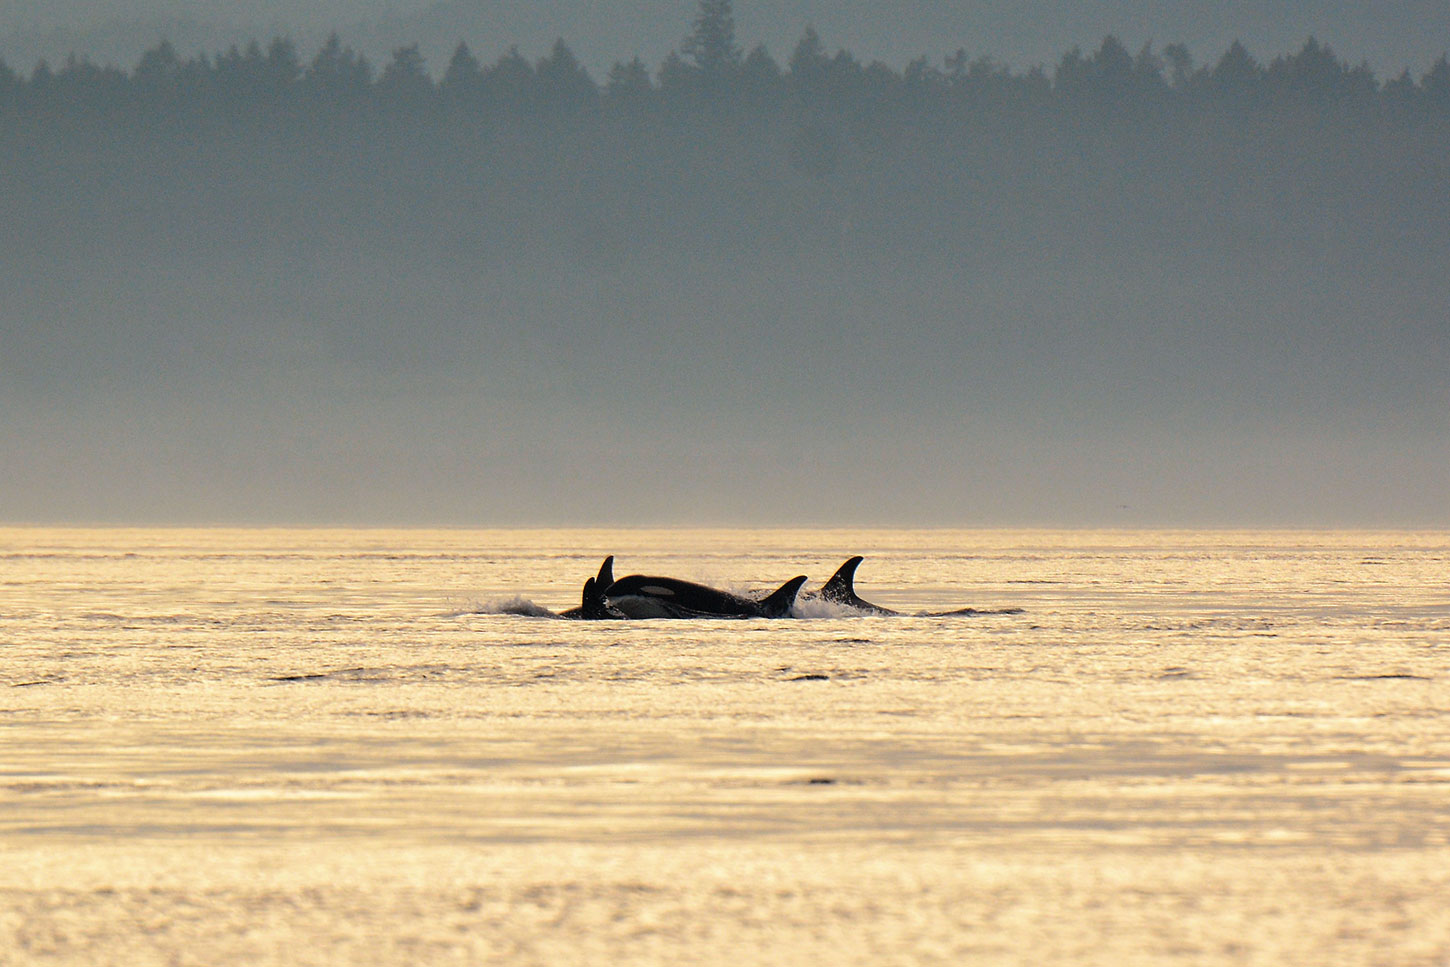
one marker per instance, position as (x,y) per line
(326,747)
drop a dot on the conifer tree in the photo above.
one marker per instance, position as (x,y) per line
(463,79)
(711,44)
(629,80)
(1436,82)
(284,67)
(405,78)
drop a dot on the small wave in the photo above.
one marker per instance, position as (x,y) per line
(517,605)
(821,608)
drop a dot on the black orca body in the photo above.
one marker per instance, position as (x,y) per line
(644,596)
(841,589)
(593,607)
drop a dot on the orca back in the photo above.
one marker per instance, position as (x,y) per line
(653,596)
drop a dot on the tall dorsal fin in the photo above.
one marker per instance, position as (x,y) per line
(606,574)
(841,588)
(779,603)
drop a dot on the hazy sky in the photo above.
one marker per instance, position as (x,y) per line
(1389,35)
(1215,323)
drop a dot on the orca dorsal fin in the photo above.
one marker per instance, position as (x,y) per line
(606,574)
(779,603)
(841,588)
(591,605)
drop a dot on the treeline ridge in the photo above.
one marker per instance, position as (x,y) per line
(712,72)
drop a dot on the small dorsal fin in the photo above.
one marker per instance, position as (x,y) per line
(779,603)
(591,606)
(841,588)
(606,574)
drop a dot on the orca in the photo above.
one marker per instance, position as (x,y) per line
(841,589)
(645,596)
(593,607)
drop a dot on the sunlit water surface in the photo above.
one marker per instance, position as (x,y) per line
(327,747)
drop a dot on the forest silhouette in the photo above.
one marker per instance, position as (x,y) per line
(717,144)
(710,71)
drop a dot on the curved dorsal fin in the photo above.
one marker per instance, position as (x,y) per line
(779,603)
(841,588)
(606,574)
(591,606)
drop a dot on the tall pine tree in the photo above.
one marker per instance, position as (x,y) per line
(711,44)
